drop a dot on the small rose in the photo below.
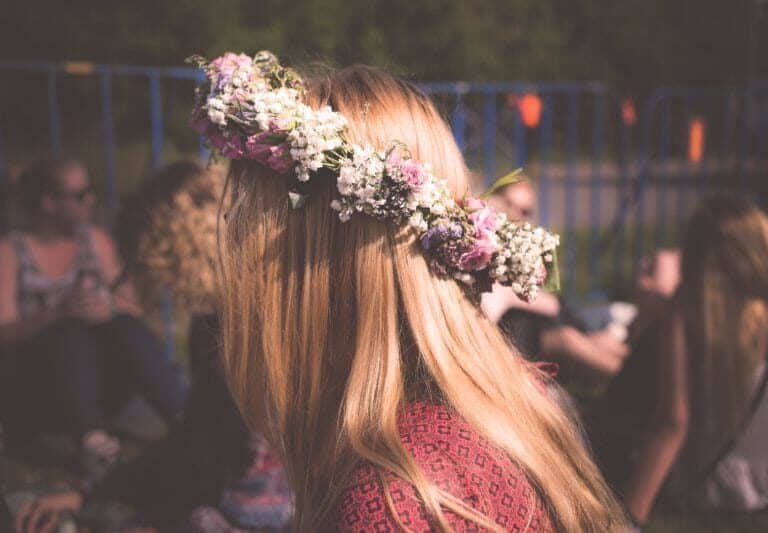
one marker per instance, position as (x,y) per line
(473,204)
(477,258)
(484,219)
(229,62)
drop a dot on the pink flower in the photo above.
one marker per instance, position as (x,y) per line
(542,275)
(473,204)
(478,256)
(229,62)
(484,219)
(413,173)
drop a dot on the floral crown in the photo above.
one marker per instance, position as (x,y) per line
(253,108)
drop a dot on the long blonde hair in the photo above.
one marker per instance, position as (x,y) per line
(723,293)
(331,328)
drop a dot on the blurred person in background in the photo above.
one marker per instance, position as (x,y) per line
(73,347)
(213,475)
(686,421)
(547,328)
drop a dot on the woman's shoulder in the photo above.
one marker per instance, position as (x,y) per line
(457,459)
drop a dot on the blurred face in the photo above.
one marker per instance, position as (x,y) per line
(518,201)
(71,204)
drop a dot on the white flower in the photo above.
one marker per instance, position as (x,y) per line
(217,117)
(417,222)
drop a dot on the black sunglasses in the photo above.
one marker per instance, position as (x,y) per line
(79,195)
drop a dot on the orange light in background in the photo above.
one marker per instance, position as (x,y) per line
(697,131)
(81,68)
(628,112)
(530,107)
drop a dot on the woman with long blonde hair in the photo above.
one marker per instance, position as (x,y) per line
(394,403)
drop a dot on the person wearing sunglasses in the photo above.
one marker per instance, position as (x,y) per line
(73,346)
(549,328)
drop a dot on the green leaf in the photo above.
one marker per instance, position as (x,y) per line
(196,60)
(508,179)
(552,283)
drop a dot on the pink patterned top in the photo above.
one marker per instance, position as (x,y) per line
(455,458)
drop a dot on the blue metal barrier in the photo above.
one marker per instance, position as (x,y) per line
(614,189)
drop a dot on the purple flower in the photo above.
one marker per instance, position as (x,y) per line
(279,158)
(431,237)
(234,148)
(217,139)
(440,233)
(257,148)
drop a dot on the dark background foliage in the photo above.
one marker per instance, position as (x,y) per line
(630,43)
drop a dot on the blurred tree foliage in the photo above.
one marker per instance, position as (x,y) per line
(634,44)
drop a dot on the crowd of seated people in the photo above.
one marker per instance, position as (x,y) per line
(75,350)
(74,346)
(682,422)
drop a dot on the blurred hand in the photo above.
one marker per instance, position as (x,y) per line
(43,514)
(660,275)
(90,306)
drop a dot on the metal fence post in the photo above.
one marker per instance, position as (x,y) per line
(684,181)
(203,149)
(489,136)
(458,121)
(519,137)
(54,119)
(108,131)
(596,188)
(620,227)
(643,175)
(571,202)
(660,186)
(545,158)
(156,119)
(156,126)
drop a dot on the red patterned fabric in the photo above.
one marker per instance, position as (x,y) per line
(455,458)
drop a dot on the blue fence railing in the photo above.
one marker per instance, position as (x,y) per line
(614,180)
